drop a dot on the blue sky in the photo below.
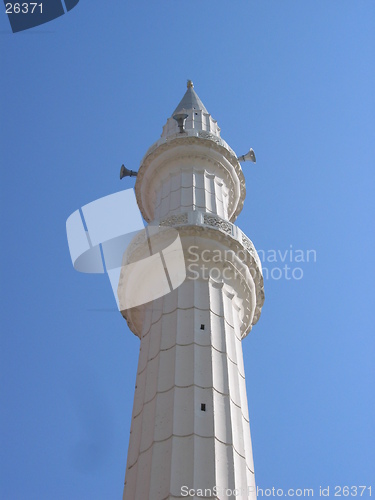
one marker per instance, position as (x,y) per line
(91,90)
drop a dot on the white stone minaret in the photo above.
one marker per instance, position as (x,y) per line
(190,425)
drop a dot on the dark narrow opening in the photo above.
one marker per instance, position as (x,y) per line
(202,327)
(203,406)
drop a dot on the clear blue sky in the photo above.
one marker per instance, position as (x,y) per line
(92,90)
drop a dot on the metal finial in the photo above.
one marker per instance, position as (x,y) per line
(190,84)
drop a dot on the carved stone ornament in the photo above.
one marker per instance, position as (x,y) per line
(235,240)
(215,221)
(175,220)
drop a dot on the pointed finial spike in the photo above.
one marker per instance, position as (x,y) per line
(190,84)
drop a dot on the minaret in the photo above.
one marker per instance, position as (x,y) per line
(190,424)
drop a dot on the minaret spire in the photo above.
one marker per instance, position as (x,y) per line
(190,101)
(198,118)
(190,425)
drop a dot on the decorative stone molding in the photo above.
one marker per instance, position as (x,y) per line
(214,221)
(226,234)
(175,220)
(217,139)
(246,242)
(139,240)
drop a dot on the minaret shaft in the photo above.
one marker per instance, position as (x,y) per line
(190,424)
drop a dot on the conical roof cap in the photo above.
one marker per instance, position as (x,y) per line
(190,100)
(196,120)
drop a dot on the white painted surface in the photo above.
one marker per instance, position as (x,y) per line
(174,441)
(180,368)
